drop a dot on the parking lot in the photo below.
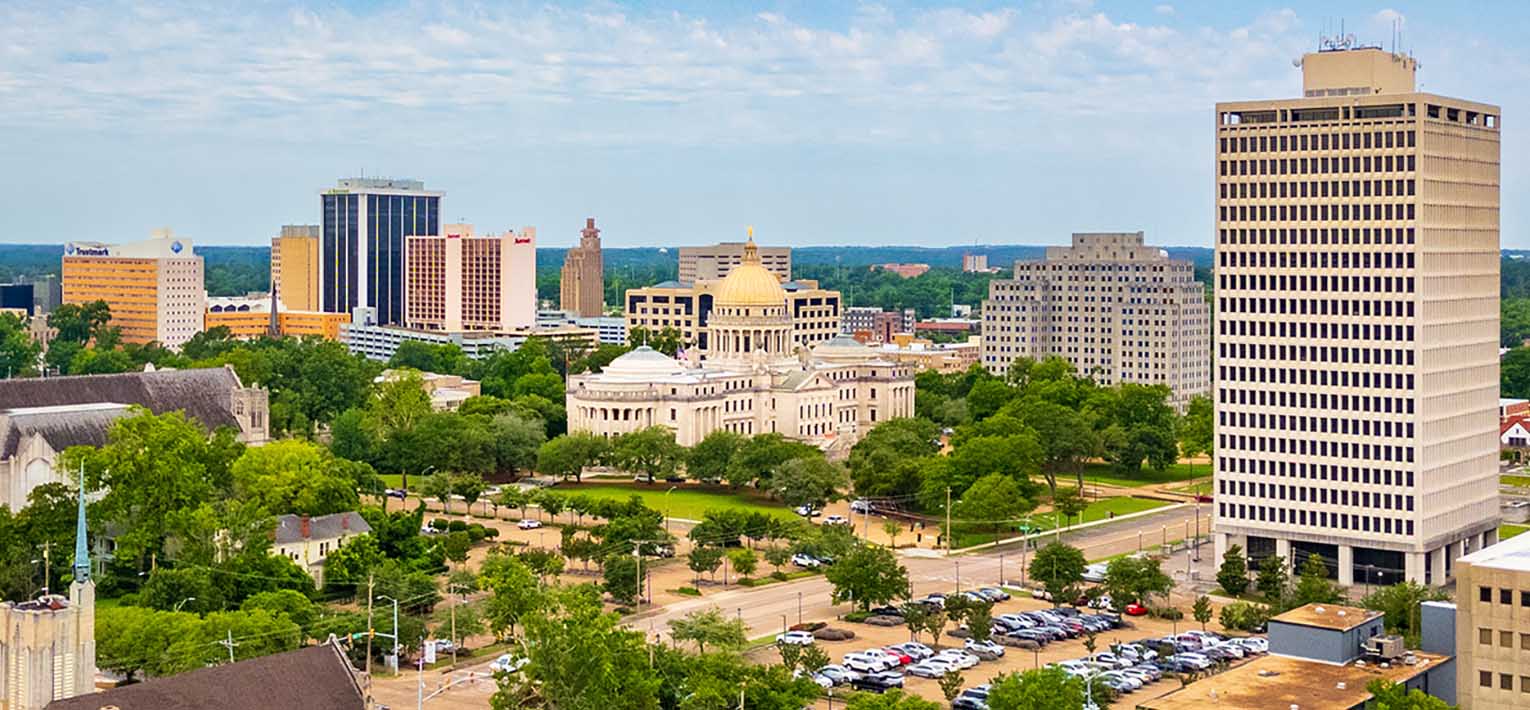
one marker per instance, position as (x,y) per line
(1015,659)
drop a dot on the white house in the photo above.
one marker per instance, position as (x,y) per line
(1514,434)
(308,540)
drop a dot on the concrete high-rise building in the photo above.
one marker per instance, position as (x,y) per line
(582,288)
(48,644)
(361,243)
(1357,322)
(1119,310)
(465,281)
(154,287)
(972,263)
(295,266)
(715,262)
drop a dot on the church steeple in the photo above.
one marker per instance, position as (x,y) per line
(81,543)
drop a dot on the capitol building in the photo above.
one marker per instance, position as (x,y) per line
(751,378)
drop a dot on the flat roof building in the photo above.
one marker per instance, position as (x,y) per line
(154,287)
(714,262)
(1117,309)
(295,266)
(361,242)
(1357,259)
(460,280)
(687,307)
(1492,628)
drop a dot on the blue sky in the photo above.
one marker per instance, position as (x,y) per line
(679,122)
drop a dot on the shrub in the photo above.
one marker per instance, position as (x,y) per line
(456,526)
(438,523)
(778,575)
(476,532)
(689,591)
(1244,616)
(491,533)
(1167,613)
(858,616)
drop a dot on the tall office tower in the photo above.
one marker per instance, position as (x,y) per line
(361,247)
(1118,310)
(295,267)
(714,262)
(154,287)
(464,281)
(582,290)
(1357,322)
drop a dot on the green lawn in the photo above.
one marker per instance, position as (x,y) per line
(1098,510)
(1199,488)
(393,480)
(1517,481)
(685,502)
(1508,530)
(1102,473)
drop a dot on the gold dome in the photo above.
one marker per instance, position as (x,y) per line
(749,283)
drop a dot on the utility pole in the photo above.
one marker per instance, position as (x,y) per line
(454,627)
(228,643)
(394,635)
(637,558)
(370,630)
(419,692)
(47,568)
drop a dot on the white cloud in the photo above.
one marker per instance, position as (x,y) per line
(1164,9)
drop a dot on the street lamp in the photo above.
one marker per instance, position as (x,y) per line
(666,506)
(182,602)
(958,564)
(799,607)
(395,630)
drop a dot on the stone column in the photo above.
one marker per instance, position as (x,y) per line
(1347,565)
(1413,563)
(1437,566)
(1283,550)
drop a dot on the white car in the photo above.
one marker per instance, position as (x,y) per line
(989,647)
(1253,644)
(961,659)
(837,674)
(864,662)
(836,520)
(795,638)
(508,664)
(808,511)
(807,561)
(860,506)
(1094,573)
(529,524)
(930,668)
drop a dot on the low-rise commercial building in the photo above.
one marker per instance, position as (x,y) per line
(872,324)
(446,392)
(379,342)
(250,317)
(1492,628)
(907,271)
(612,330)
(927,355)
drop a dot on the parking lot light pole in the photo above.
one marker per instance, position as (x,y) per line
(799,607)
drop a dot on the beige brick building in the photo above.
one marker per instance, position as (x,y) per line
(1357,322)
(1493,627)
(295,267)
(711,263)
(460,280)
(686,307)
(582,288)
(1117,309)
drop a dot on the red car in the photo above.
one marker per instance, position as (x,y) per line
(1203,498)
(1135,609)
(902,658)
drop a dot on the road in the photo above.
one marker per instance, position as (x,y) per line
(765,610)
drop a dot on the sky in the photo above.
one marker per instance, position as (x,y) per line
(817,122)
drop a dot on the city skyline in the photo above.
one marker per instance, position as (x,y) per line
(892,124)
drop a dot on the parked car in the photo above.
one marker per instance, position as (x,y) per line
(983,648)
(836,520)
(795,638)
(808,511)
(877,682)
(508,664)
(1042,594)
(1094,573)
(1254,644)
(1135,609)
(887,611)
(896,654)
(1101,602)
(994,594)
(972,699)
(862,662)
(806,561)
(837,674)
(930,668)
(961,659)
(915,650)
(529,524)
(861,506)
(395,493)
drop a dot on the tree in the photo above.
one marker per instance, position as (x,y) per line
(1400,603)
(298,477)
(401,401)
(868,576)
(709,627)
(443,358)
(1195,428)
(664,340)
(1069,503)
(1202,610)
(1272,578)
(651,451)
(1135,579)
(296,607)
(891,700)
(744,561)
(759,457)
(18,351)
(514,592)
(979,619)
(1387,695)
(811,480)
(620,577)
(879,461)
(914,617)
(438,486)
(892,528)
(1043,689)
(1059,568)
(994,500)
(456,545)
(79,322)
(154,467)
(1313,587)
(935,623)
(1067,439)
(1233,574)
(1140,428)
(1244,616)
(581,658)
(517,441)
(470,486)
(951,685)
(710,459)
(567,456)
(1514,372)
(704,559)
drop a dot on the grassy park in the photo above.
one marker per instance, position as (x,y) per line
(966,536)
(1508,530)
(1103,474)
(685,502)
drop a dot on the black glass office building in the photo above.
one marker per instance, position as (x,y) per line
(361,248)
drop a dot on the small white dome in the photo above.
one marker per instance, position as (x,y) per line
(644,362)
